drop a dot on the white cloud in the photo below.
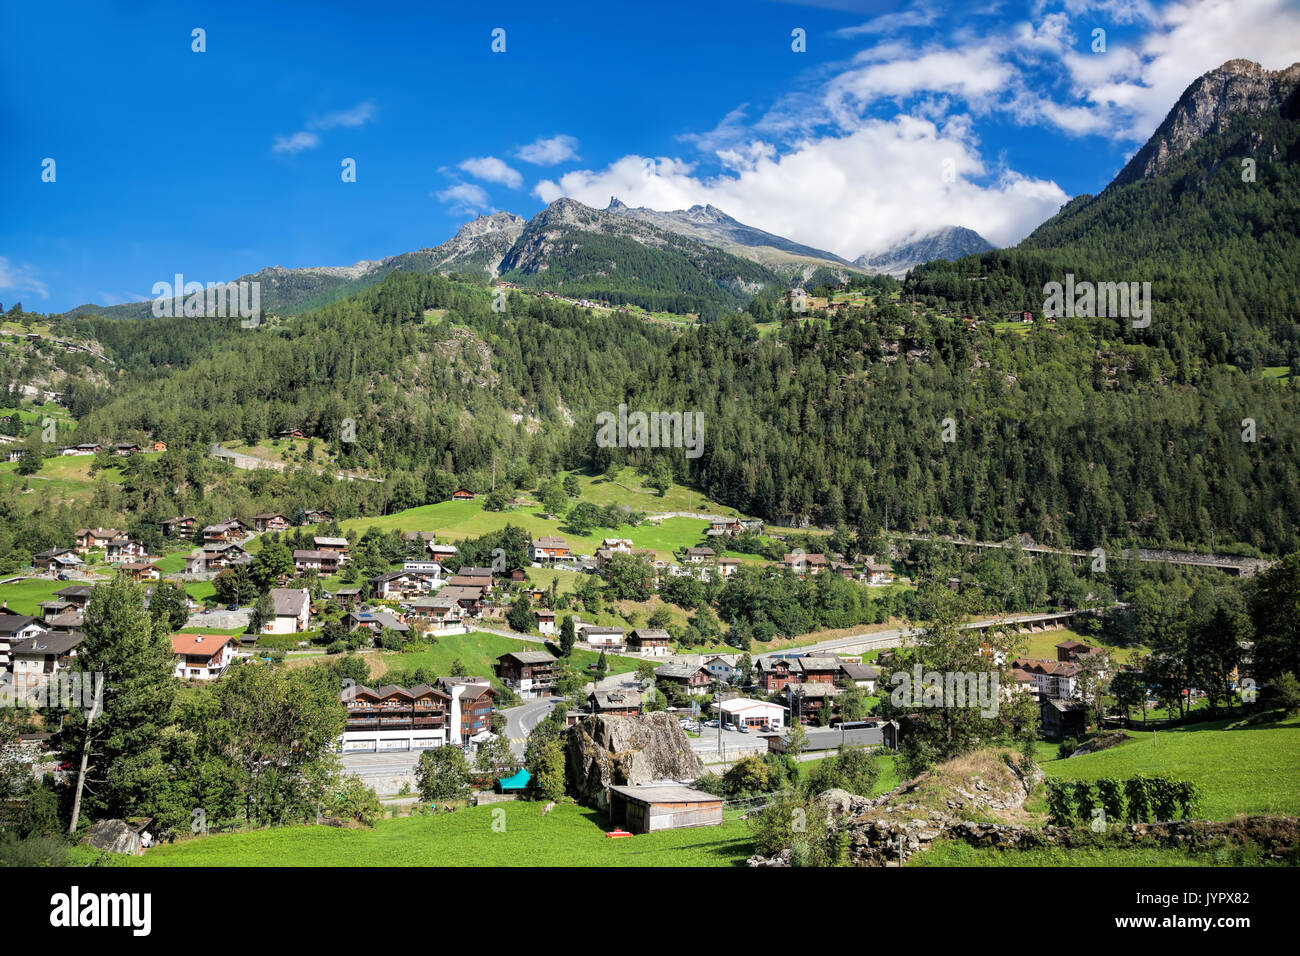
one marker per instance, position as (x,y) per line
(21,278)
(307,139)
(465,199)
(849,194)
(549,152)
(359,115)
(296,143)
(492,170)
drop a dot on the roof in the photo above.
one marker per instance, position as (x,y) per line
(737,704)
(199,645)
(650,634)
(616,698)
(812,663)
(13,623)
(290,602)
(332,542)
(528,657)
(550,543)
(49,643)
(677,670)
(829,738)
(859,671)
(666,792)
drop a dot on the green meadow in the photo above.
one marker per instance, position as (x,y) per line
(505,834)
(1240,769)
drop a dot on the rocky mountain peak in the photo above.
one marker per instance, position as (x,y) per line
(1208,106)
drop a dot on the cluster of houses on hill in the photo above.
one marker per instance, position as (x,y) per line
(122,449)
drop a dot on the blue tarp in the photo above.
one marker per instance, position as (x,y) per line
(517,782)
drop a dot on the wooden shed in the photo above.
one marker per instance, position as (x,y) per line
(663,806)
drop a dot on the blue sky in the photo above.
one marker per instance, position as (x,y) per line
(898,117)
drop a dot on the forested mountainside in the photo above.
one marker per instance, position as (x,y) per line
(1068,433)
(1216,231)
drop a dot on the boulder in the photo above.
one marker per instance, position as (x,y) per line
(113,836)
(606,750)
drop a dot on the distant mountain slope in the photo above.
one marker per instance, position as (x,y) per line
(950,242)
(1216,236)
(572,248)
(713,227)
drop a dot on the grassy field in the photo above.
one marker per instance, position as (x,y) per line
(1239,768)
(1042,646)
(454,520)
(567,836)
(24,597)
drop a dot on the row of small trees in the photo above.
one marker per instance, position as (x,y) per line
(1137,799)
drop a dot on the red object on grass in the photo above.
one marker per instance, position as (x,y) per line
(617,833)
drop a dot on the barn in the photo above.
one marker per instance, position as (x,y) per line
(663,806)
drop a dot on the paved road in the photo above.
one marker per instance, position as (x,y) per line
(522,719)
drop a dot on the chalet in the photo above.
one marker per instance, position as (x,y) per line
(545,621)
(1075,651)
(617,545)
(470,581)
(688,677)
(650,642)
(391,718)
(290,433)
(182,526)
(159,446)
(599,635)
(56,560)
(319,516)
(125,448)
(292,611)
(346,597)
(805,701)
(723,667)
(549,549)
(123,549)
(13,629)
(1063,718)
(728,566)
(36,660)
(90,539)
(844,569)
(624,703)
(724,526)
(528,673)
(815,670)
(650,808)
(338,545)
(440,609)
(76,594)
(772,673)
(141,571)
(374,621)
(470,600)
(202,656)
(214,556)
(440,551)
(699,555)
(460,494)
(270,522)
(324,562)
(232,529)
(862,676)
(801,563)
(752,714)
(874,573)
(402,583)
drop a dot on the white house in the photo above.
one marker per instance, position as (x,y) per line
(292,611)
(202,656)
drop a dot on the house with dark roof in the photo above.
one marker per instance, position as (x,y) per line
(528,673)
(292,611)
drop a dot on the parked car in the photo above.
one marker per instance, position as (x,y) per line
(232,607)
(710,723)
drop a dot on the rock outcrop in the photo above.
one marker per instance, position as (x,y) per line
(1209,106)
(605,750)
